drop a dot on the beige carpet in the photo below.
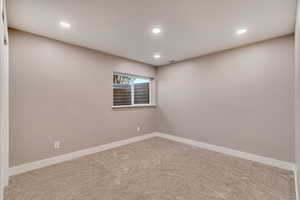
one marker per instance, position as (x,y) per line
(154,169)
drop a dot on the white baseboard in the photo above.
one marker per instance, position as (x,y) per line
(296,182)
(261,159)
(248,156)
(70,156)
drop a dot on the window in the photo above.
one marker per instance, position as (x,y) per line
(131,90)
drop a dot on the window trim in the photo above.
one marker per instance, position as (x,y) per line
(135,106)
(132,105)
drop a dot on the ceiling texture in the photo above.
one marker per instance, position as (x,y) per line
(189,28)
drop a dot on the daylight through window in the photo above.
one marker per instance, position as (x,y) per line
(130,90)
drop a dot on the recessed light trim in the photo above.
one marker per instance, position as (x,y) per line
(156,56)
(241,31)
(156,30)
(65,24)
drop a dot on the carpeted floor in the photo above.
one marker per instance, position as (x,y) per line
(154,169)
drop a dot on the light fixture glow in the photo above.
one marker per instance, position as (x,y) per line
(156,56)
(156,30)
(65,24)
(241,31)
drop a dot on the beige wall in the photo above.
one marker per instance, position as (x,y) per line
(63,92)
(241,99)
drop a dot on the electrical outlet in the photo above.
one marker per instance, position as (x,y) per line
(56,144)
(138,128)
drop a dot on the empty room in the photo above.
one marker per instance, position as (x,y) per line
(149,100)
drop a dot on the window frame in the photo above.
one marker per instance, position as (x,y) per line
(133,77)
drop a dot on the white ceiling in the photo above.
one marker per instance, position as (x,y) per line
(190,28)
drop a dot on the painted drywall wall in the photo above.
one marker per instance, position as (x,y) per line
(297,95)
(242,99)
(64,92)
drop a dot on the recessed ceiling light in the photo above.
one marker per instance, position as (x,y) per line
(156,56)
(156,30)
(65,24)
(241,31)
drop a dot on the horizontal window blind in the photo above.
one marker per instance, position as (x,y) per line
(130,90)
(141,93)
(122,96)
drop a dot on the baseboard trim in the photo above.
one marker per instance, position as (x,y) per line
(73,155)
(248,156)
(296,181)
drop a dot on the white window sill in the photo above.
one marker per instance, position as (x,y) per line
(135,106)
